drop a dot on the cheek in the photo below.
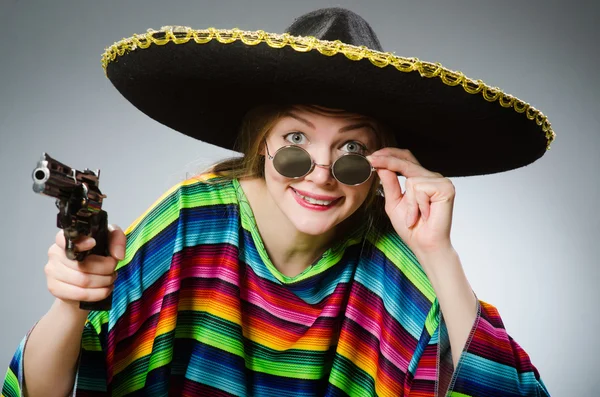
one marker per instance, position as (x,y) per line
(273,178)
(359,194)
(365,190)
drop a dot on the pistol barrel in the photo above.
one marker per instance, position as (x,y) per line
(53,178)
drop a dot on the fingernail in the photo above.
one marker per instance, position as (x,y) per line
(91,241)
(120,252)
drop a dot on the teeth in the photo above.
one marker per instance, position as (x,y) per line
(313,201)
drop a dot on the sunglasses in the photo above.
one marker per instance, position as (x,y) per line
(294,162)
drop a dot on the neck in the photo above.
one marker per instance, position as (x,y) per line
(290,251)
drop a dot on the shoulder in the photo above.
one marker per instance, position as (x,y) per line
(381,234)
(185,203)
(200,190)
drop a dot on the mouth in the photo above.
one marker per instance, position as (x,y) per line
(314,201)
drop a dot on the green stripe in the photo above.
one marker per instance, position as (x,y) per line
(400,255)
(432,321)
(132,379)
(162,351)
(349,378)
(90,339)
(11,385)
(289,370)
(167,211)
(210,330)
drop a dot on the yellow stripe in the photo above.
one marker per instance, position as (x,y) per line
(221,311)
(191,181)
(264,338)
(361,361)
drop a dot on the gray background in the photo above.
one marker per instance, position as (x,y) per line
(528,238)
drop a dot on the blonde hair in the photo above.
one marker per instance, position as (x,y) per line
(256,126)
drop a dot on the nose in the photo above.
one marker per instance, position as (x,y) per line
(321,173)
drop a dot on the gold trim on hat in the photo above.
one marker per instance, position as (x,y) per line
(183,34)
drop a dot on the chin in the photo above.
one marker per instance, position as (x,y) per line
(310,225)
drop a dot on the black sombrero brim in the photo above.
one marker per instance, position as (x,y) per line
(202,82)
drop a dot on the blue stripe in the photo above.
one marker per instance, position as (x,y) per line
(476,373)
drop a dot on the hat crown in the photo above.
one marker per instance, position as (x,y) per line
(336,24)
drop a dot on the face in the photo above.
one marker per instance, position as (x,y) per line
(317,202)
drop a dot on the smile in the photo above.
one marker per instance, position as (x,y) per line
(312,201)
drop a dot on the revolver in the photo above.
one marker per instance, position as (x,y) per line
(79,203)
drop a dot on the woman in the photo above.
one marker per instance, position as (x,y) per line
(285,272)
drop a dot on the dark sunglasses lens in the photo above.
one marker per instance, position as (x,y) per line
(352,169)
(292,162)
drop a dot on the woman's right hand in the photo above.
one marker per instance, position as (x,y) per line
(89,281)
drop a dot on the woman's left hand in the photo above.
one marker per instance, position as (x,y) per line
(422,217)
(422,214)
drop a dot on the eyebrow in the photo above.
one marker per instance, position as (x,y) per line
(356,127)
(343,129)
(302,120)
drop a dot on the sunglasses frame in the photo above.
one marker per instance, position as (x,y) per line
(313,163)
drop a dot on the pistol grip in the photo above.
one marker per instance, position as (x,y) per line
(101,248)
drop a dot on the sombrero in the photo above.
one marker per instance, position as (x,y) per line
(202,82)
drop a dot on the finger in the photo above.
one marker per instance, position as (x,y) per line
(412,207)
(73,293)
(423,202)
(402,166)
(431,190)
(116,242)
(423,189)
(93,264)
(83,243)
(74,277)
(397,152)
(437,189)
(391,186)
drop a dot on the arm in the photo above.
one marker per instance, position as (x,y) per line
(46,362)
(48,356)
(485,360)
(455,296)
(52,350)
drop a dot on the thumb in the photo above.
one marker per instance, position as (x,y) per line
(391,186)
(116,242)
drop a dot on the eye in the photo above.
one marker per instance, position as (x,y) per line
(297,138)
(354,147)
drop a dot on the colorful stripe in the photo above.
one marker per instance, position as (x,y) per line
(200,310)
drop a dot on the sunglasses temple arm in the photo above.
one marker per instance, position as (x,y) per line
(268,154)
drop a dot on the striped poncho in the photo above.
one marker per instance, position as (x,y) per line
(199,309)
